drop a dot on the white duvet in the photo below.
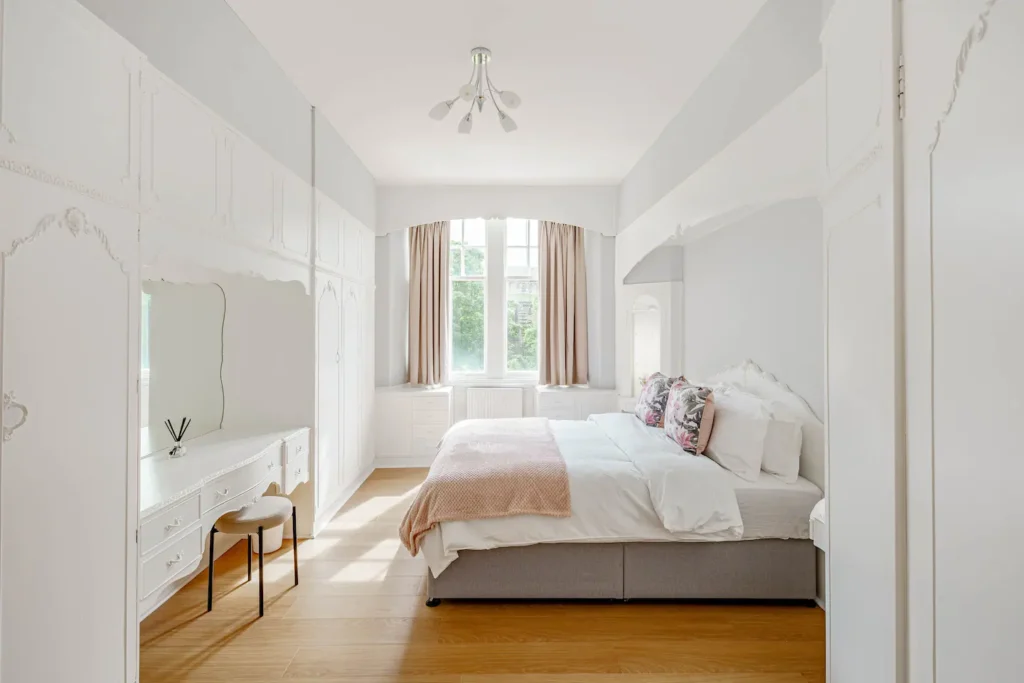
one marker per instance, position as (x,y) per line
(627,483)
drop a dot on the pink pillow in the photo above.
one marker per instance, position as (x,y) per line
(689,414)
(650,405)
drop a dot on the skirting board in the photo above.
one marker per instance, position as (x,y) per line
(394,463)
(323,519)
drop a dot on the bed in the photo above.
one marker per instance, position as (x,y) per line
(615,544)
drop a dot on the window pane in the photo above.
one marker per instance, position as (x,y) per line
(533,233)
(455,234)
(475,232)
(516,232)
(474,260)
(515,262)
(468,326)
(534,257)
(521,327)
(455,260)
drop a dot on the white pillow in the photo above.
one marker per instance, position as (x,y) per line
(738,432)
(782,443)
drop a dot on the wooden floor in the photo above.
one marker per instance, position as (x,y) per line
(358,615)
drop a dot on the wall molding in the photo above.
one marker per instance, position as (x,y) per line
(43,176)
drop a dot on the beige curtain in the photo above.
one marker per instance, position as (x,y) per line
(563,305)
(428,302)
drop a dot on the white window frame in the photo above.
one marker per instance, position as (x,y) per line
(495,317)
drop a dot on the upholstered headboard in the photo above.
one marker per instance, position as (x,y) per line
(749,375)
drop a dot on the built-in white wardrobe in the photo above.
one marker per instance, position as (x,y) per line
(111,174)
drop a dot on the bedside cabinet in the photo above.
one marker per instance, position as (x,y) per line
(410,422)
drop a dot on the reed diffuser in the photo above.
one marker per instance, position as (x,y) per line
(178,434)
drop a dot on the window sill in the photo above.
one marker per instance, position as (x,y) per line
(481,381)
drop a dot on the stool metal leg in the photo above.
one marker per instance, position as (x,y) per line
(260,534)
(295,546)
(248,554)
(209,587)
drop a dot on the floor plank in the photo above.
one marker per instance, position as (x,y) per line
(358,617)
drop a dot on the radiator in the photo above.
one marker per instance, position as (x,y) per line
(493,402)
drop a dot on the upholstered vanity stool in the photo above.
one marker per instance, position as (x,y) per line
(266,513)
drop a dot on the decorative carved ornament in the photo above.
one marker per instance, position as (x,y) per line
(74,221)
(11,405)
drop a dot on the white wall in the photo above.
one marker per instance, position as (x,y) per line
(755,290)
(590,207)
(775,54)
(663,264)
(341,175)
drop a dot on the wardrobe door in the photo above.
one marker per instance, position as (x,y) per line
(353,372)
(328,424)
(68,460)
(863,236)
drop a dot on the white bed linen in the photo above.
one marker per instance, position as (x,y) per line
(611,502)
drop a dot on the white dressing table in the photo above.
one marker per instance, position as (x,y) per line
(180,499)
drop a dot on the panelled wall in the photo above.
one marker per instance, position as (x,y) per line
(111,173)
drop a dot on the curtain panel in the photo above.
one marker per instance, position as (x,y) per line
(563,305)
(428,303)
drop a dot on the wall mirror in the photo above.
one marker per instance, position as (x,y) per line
(182,360)
(646,340)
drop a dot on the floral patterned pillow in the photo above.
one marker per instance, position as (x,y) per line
(689,414)
(650,406)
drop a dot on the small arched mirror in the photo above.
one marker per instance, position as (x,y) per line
(646,340)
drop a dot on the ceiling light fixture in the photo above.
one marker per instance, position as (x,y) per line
(477,91)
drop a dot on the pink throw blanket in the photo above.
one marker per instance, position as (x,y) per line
(486,469)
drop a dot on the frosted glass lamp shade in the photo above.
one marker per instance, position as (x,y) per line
(510,99)
(467,92)
(441,110)
(506,122)
(466,124)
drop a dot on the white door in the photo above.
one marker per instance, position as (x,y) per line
(328,424)
(964,148)
(864,368)
(68,459)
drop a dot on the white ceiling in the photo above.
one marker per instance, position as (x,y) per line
(599,79)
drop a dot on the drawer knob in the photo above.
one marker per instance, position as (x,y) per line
(222,492)
(299,449)
(298,471)
(270,465)
(172,525)
(175,560)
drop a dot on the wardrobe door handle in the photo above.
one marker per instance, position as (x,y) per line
(175,523)
(11,405)
(175,560)
(223,492)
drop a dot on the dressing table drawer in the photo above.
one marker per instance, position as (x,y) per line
(295,473)
(296,449)
(168,523)
(227,486)
(166,564)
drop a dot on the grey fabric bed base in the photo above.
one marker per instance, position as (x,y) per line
(767,569)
